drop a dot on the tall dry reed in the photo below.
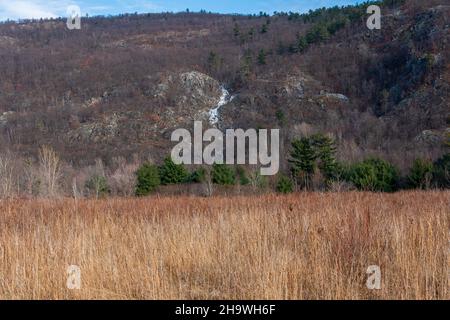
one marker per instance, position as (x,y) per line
(301,246)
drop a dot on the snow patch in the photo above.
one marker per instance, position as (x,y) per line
(225,98)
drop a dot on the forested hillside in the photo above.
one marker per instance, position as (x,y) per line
(118,87)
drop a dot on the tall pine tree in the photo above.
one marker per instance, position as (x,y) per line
(325,154)
(302,161)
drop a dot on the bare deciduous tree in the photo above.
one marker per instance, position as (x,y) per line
(30,177)
(123,179)
(6,175)
(255,177)
(50,171)
(208,182)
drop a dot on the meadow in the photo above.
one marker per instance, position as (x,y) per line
(299,246)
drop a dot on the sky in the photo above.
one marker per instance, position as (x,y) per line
(35,9)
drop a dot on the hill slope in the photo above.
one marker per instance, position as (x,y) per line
(120,85)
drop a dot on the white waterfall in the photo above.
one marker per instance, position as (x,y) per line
(224,99)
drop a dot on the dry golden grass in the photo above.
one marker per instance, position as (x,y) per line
(302,246)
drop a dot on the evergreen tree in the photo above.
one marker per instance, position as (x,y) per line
(279,114)
(373,175)
(262,57)
(242,175)
(285,185)
(147,179)
(236,30)
(325,152)
(198,176)
(214,62)
(393,3)
(171,173)
(264,28)
(310,37)
(322,32)
(246,66)
(302,44)
(302,161)
(421,174)
(223,174)
(336,25)
(318,33)
(441,172)
(251,33)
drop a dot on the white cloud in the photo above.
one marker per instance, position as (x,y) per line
(35,9)
(32,9)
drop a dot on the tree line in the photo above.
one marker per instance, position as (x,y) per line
(313,166)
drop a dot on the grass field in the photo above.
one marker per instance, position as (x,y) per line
(301,246)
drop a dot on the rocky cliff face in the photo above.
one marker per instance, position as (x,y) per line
(193,94)
(185,97)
